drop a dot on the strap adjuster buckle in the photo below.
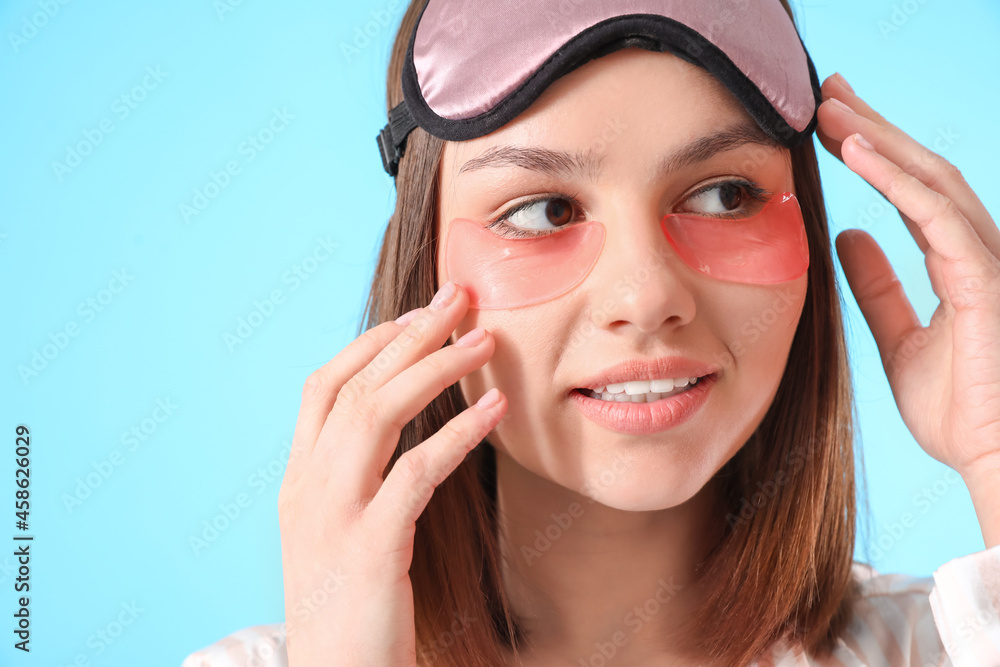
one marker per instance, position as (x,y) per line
(392,139)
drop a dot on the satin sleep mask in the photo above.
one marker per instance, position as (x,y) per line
(473,65)
(501,272)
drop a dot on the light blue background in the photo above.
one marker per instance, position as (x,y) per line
(927,66)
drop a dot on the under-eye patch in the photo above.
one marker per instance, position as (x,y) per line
(503,272)
(769,246)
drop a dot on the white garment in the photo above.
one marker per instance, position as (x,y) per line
(949,619)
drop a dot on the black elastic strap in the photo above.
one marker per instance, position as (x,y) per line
(392,139)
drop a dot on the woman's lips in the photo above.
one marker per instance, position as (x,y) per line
(646,418)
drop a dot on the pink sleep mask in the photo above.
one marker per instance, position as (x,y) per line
(473,65)
(769,246)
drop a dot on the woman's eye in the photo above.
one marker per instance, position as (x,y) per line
(541,214)
(725,199)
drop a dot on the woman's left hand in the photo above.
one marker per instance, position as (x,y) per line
(945,377)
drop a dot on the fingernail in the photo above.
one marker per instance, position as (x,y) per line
(408,316)
(842,80)
(840,105)
(474,337)
(864,143)
(443,296)
(489,399)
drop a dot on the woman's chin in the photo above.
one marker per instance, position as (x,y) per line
(647,495)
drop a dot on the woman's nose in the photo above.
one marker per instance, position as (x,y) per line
(639,281)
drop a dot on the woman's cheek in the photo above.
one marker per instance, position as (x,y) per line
(757,326)
(773,317)
(491,374)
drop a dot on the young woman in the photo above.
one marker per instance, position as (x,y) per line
(624,236)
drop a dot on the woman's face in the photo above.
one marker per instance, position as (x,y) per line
(626,114)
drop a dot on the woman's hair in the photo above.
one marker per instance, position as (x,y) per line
(786,510)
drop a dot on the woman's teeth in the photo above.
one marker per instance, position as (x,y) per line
(641,391)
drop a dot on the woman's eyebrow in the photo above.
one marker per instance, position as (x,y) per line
(584,164)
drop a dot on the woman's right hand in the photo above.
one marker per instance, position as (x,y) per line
(347,534)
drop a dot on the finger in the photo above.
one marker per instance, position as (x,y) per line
(947,231)
(877,290)
(836,86)
(358,445)
(323,385)
(349,384)
(832,87)
(426,333)
(832,146)
(832,115)
(411,482)
(928,167)
(935,271)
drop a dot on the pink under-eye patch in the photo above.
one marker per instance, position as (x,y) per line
(502,273)
(767,247)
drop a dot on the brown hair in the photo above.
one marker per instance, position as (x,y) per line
(786,560)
